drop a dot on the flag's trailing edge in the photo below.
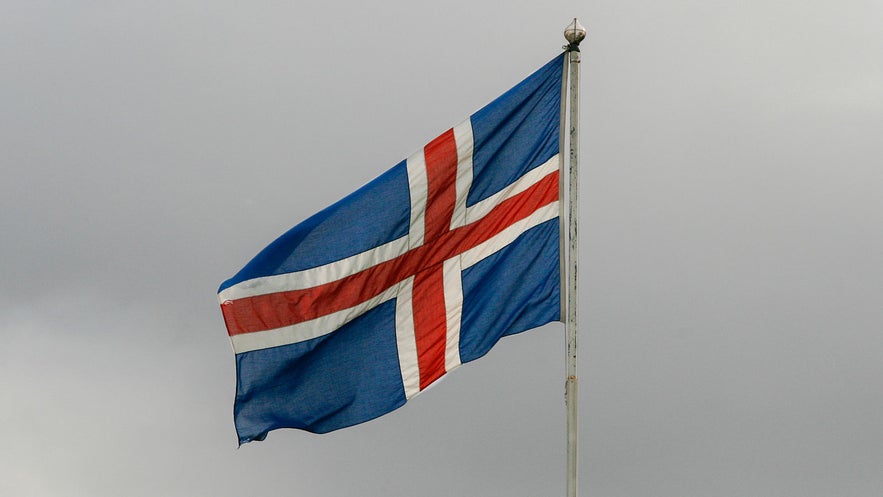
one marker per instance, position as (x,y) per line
(357,309)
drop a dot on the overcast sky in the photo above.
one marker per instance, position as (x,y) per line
(731,243)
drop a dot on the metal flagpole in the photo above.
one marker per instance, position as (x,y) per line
(574,34)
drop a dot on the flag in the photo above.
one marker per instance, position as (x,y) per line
(362,306)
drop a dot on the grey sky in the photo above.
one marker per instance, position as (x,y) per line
(732,250)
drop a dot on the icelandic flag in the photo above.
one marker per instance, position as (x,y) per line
(362,306)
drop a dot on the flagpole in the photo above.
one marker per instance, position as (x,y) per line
(574,34)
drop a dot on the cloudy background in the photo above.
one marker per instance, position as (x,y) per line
(731,249)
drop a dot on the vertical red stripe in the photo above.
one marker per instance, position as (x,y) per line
(430,324)
(430,321)
(441,175)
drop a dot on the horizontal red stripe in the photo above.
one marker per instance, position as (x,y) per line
(276,310)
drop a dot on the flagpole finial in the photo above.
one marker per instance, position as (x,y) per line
(574,33)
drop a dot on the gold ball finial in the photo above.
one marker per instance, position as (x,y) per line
(574,33)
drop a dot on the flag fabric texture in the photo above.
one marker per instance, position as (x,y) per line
(360,307)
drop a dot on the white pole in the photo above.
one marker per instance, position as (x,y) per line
(574,34)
